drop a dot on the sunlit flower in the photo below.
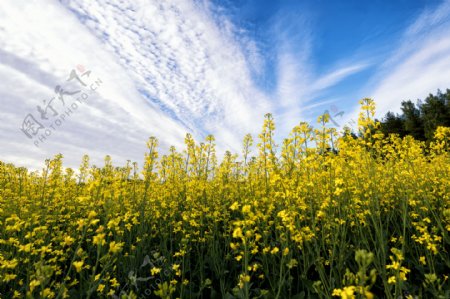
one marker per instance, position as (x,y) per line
(78,266)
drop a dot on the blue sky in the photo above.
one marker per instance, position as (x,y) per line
(336,34)
(168,67)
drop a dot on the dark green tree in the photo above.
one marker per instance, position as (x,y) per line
(413,123)
(393,124)
(435,112)
(419,120)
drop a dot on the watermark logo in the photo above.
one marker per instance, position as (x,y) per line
(144,285)
(53,113)
(335,115)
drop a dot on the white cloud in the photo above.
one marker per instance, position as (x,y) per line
(430,19)
(419,65)
(337,75)
(167,68)
(300,86)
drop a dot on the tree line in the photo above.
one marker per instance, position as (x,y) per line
(419,119)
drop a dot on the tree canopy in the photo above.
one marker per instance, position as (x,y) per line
(419,119)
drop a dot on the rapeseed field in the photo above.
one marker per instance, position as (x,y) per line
(319,215)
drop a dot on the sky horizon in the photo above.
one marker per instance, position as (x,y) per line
(101,77)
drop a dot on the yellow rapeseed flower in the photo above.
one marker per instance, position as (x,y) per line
(155,270)
(78,266)
(115,247)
